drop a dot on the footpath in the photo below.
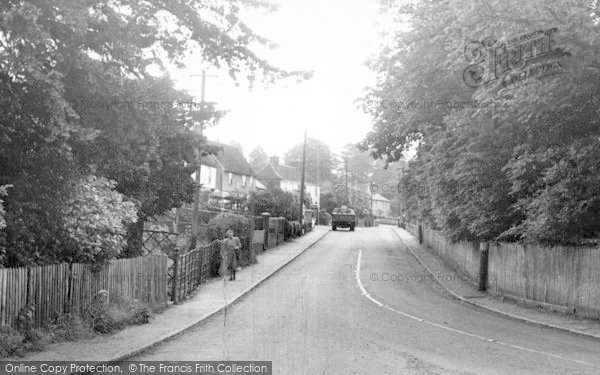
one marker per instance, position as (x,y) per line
(208,300)
(464,290)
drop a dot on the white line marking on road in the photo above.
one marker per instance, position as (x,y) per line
(360,285)
(366,294)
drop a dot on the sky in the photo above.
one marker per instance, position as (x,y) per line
(333,38)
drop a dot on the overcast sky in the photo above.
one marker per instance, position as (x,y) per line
(333,38)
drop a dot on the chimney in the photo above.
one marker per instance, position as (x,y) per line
(274,160)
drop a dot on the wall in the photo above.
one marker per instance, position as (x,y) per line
(237,183)
(208,177)
(315,193)
(381,208)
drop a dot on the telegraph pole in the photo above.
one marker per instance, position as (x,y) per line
(196,219)
(346,167)
(318,190)
(302,180)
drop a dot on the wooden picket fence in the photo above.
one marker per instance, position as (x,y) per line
(58,289)
(190,270)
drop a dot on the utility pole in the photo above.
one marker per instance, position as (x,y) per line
(196,216)
(346,167)
(485,247)
(302,181)
(317,190)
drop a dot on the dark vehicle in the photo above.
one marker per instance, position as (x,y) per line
(343,217)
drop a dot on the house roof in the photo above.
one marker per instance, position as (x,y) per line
(379,197)
(281,172)
(230,158)
(210,161)
(289,173)
(268,173)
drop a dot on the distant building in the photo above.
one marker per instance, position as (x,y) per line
(381,206)
(287,178)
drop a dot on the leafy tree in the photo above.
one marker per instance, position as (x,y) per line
(57,57)
(499,170)
(238,146)
(148,145)
(319,160)
(329,201)
(258,158)
(354,169)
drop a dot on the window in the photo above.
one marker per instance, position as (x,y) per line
(244,181)
(230,178)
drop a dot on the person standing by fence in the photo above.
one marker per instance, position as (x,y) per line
(230,253)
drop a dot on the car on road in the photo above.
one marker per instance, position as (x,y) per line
(343,217)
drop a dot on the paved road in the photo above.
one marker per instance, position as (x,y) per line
(320,315)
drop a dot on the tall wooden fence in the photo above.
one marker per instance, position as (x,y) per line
(567,277)
(463,256)
(563,276)
(55,290)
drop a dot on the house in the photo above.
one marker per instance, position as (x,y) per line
(227,174)
(287,178)
(381,206)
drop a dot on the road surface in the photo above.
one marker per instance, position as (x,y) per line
(359,303)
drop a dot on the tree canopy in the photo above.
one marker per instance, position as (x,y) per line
(319,162)
(77,100)
(506,150)
(258,158)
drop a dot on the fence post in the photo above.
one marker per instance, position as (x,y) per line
(174,293)
(420,228)
(69,300)
(483,265)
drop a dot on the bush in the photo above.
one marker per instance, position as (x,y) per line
(11,342)
(120,313)
(277,202)
(324,217)
(96,219)
(16,343)
(71,327)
